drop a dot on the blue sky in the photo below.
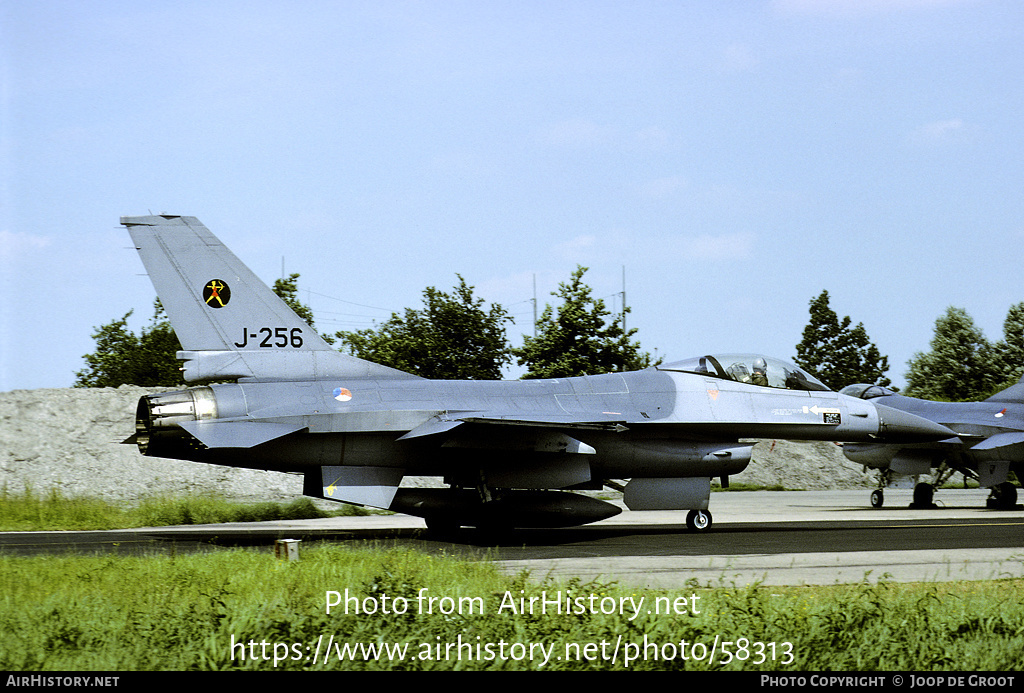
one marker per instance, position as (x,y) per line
(732,159)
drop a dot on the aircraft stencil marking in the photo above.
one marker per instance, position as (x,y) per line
(820,410)
(273,337)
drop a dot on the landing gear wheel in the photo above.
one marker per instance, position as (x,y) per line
(698,520)
(1004,496)
(877,498)
(441,526)
(923,496)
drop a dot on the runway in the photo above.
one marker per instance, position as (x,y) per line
(773,538)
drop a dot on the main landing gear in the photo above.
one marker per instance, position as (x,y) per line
(923,495)
(1002,497)
(924,492)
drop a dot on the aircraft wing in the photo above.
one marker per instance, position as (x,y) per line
(1014,394)
(549,434)
(504,434)
(436,426)
(1000,440)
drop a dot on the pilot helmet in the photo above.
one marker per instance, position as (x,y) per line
(760,365)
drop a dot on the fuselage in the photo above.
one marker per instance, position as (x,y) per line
(652,423)
(970,418)
(973,422)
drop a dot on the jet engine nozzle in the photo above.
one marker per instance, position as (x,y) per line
(895,426)
(158,418)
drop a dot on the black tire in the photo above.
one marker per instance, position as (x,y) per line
(698,520)
(1005,495)
(877,498)
(441,526)
(923,494)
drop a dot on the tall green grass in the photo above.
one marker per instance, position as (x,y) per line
(52,510)
(184,613)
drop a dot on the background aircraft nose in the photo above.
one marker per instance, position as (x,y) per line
(900,427)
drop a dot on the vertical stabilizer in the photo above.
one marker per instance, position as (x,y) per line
(229,322)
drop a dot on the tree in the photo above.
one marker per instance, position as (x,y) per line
(148,359)
(961,365)
(288,291)
(453,337)
(836,353)
(578,339)
(1010,350)
(121,357)
(964,366)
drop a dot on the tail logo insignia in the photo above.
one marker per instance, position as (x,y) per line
(216,293)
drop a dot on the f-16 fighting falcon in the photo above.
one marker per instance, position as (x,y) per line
(511,452)
(989,443)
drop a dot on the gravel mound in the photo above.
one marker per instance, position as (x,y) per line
(70,440)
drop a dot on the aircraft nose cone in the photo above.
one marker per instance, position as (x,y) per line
(899,426)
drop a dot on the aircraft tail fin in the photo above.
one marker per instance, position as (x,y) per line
(1014,393)
(230,323)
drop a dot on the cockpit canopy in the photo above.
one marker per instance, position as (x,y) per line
(863,391)
(752,369)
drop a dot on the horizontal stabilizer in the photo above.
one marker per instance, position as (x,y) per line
(238,434)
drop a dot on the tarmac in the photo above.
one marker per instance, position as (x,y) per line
(757,537)
(772,509)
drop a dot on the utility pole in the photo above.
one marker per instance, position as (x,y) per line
(535,305)
(623,299)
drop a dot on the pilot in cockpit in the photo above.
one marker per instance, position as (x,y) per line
(760,375)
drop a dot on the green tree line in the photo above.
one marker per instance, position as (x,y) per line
(456,335)
(961,364)
(452,336)
(148,358)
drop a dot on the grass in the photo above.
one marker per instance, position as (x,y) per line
(29,510)
(238,609)
(246,610)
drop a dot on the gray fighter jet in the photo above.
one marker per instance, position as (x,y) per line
(355,429)
(988,445)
